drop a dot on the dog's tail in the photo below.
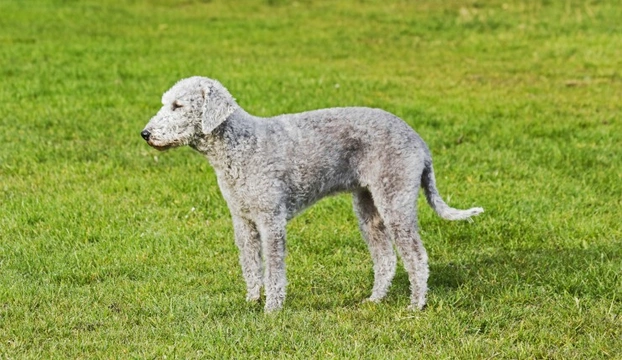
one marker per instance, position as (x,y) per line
(435,200)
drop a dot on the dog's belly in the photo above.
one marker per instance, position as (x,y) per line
(301,195)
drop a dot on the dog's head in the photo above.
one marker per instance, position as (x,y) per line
(193,107)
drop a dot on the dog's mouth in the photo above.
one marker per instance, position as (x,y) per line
(159,147)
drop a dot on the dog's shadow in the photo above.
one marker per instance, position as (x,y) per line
(592,272)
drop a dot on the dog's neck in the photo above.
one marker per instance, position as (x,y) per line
(227,144)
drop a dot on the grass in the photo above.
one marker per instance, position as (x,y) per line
(109,249)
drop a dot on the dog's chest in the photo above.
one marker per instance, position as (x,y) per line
(247,194)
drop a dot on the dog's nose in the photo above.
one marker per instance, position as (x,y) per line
(145,134)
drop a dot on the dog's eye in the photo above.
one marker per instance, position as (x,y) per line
(176,105)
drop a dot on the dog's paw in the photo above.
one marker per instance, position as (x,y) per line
(252,297)
(253,294)
(372,299)
(416,307)
(272,308)
(274,303)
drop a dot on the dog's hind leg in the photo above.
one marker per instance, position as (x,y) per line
(398,211)
(379,242)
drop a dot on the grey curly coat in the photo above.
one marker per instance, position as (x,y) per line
(269,169)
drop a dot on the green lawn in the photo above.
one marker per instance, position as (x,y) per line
(109,249)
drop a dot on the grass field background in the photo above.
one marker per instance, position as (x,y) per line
(110,249)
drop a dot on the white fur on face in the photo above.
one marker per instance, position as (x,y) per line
(177,121)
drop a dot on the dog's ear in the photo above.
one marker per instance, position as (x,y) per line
(218,104)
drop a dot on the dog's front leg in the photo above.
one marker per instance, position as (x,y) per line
(272,232)
(248,241)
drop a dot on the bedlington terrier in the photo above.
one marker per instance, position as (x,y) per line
(269,169)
